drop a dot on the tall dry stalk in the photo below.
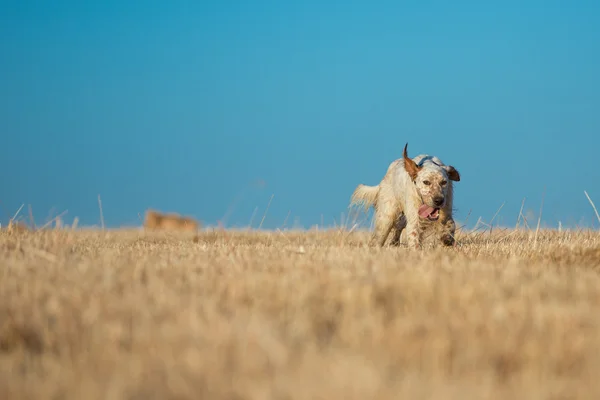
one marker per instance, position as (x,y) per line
(537,229)
(593,206)
(101,213)
(266,211)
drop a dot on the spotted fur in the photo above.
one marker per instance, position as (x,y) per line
(408,185)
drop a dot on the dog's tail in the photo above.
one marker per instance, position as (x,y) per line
(365,195)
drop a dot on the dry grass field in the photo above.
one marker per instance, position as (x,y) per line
(297,315)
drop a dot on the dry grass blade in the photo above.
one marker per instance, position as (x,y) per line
(537,229)
(266,211)
(31,220)
(252,218)
(286,219)
(520,213)
(17,213)
(466,219)
(101,213)
(47,224)
(494,217)
(593,206)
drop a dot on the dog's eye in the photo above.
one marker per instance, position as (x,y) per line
(443,183)
(427,183)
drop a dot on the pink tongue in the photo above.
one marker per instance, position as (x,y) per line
(426,211)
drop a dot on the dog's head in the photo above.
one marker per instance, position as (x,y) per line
(432,182)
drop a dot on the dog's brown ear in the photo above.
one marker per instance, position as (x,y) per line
(409,165)
(452,173)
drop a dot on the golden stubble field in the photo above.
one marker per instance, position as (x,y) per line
(297,315)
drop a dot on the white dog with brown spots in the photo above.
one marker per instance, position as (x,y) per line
(415,194)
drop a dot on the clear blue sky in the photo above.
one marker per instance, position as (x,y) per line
(179,105)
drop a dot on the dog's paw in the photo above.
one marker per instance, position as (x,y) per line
(448,240)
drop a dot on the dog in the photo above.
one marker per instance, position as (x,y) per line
(416,195)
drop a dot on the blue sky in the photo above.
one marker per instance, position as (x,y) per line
(185,106)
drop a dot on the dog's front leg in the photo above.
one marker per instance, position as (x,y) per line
(414,233)
(399,227)
(447,232)
(414,238)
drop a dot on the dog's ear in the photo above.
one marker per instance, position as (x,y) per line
(409,165)
(452,173)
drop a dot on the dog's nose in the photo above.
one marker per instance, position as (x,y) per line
(438,201)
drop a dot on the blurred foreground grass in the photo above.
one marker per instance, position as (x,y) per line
(297,315)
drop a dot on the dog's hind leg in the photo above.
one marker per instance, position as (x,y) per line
(385,217)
